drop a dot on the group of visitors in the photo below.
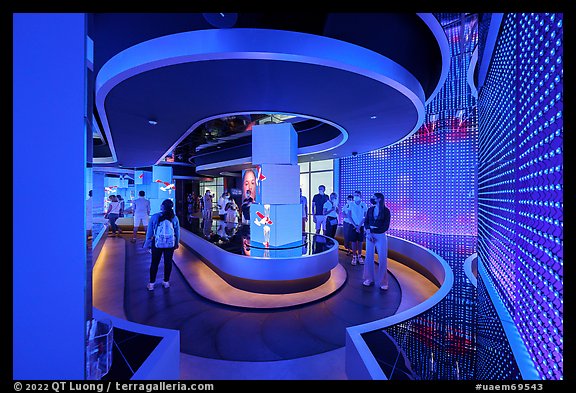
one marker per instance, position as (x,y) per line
(359,222)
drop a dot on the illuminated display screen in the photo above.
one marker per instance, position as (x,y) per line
(250,182)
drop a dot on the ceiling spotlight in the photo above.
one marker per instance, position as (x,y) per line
(372,117)
(152,122)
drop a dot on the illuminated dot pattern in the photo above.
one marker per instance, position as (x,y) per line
(494,357)
(441,342)
(429,182)
(520,186)
(511,144)
(429,179)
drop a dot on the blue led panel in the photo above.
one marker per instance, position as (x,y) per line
(429,179)
(520,186)
(494,357)
(429,183)
(494,170)
(441,342)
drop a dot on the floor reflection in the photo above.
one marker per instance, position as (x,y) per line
(235,237)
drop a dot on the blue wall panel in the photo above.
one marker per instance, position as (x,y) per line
(49,245)
(520,187)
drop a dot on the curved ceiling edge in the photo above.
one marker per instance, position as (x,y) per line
(229,165)
(438,31)
(471,70)
(256,44)
(325,146)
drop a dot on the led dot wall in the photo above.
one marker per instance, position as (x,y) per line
(520,186)
(441,342)
(494,357)
(496,159)
(429,179)
(429,182)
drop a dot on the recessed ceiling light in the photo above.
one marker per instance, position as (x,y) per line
(373,117)
(152,122)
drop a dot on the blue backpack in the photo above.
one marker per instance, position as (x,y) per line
(164,234)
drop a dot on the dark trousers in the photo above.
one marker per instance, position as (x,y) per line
(346,232)
(112,217)
(331,228)
(156,256)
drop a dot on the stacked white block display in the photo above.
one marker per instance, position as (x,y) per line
(275,151)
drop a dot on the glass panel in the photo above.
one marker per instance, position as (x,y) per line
(321,178)
(304,167)
(322,165)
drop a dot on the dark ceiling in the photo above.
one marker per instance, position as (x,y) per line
(402,37)
(115,32)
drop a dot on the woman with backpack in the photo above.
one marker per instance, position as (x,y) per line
(162,236)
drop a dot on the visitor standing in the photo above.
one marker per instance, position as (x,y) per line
(376,224)
(163,237)
(318,202)
(330,210)
(224,199)
(346,223)
(304,204)
(357,211)
(112,214)
(141,211)
(207,205)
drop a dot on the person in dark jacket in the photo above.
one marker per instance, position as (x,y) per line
(375,226)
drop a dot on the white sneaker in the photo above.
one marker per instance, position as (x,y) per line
(384,287)
(165,284)
(367,283)
(354,260)
(360,260)
(150,286)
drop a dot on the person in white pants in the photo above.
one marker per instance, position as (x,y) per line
(376,224)
(141,210)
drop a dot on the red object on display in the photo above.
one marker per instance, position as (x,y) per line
(167,185)
(263,219)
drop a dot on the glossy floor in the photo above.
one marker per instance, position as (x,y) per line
(223,342)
